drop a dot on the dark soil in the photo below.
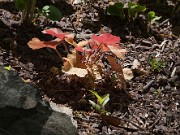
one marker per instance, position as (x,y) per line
(149,105)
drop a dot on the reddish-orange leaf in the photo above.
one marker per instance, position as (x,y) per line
(35,43)
(55,32)
(106,39)
(93,45)
(79,49)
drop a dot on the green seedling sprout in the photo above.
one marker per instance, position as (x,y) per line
(28,11)
(51,12)
(102,101)
(152,18)
(156,64)
(7,67)
(116,10)
(134,9)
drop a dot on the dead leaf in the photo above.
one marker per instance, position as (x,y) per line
(26,80)
(115,66)
(118,52)
(67,66)
(82,43)
(71,41)
(114,121)
(95,70)
(77,71)
(54,70)
(128,74)
(136,64)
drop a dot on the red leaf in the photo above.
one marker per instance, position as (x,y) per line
(93,45)
(55,32)
(79,49)
(106,39)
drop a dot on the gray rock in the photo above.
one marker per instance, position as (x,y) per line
(22,112)
(15,93)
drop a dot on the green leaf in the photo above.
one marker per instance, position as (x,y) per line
(21,4)
(150,15)
(117,10)
(134,9)
(51,12)
(96,106)
(100,100)
(141,8)
(8,67)
(155,19)
(105,100)
(132,5)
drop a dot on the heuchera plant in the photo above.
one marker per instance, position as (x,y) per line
(86,57)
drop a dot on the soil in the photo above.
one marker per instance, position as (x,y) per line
(149,104)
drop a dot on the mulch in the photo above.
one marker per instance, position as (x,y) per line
(150,103)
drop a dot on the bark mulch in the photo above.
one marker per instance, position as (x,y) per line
(151,104)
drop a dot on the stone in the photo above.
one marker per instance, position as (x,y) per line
(23,112)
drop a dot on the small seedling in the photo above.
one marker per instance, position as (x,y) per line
(152,18)
(7,67)
(156,64)
(51,12)
(28,11)
(157,92)
(118,9)
(101,102)
(134,9)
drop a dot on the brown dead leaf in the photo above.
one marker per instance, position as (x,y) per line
(54,70)
(67,66)
(96,71)
(82,43)
(26,80)
(118,52)
(76,71)
(114,121)
(128,74)
(71,41)
(136,64)
(115,66)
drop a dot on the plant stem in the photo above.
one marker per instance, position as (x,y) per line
(28,12)
(59,54)
(65,47)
